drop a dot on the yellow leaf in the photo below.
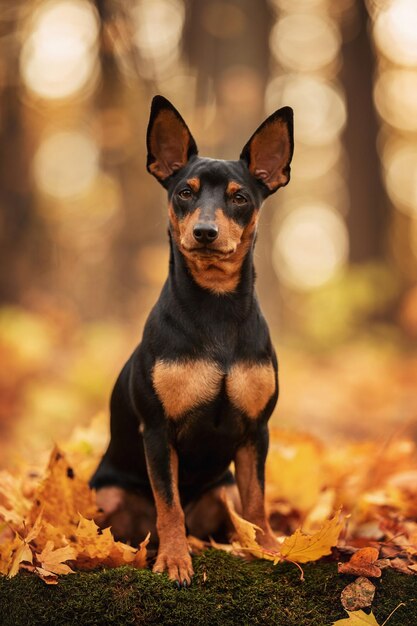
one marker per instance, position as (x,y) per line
(94,548)
(357,618)
(61,495)
(52,560)
(286,476)
(36,528)
(246,532)
(21,553)
(13,504)
(303,548)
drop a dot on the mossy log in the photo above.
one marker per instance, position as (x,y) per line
(225,591)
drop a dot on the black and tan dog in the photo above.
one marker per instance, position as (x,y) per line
(198,391)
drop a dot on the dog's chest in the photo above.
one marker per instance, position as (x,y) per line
(185,385)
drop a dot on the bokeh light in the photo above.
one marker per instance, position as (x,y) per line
(312,162)
(400,162)
(304,42)
(59,57)
(319,106)
(395,31)
(311,246)
(395,97)
(66,163)
(300,5)
(157,33)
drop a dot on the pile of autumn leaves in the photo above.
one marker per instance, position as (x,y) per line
(47,527)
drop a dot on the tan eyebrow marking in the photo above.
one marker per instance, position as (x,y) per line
(232,188)
(194,183)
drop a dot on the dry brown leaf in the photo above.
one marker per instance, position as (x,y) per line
(362,563)
(358,595)
(47,577)
(401,565)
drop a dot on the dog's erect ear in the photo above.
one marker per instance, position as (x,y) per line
(268,152)
(170,143)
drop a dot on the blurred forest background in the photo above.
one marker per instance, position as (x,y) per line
(83,243)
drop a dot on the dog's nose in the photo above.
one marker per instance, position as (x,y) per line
(205,232)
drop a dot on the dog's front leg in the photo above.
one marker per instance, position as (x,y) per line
(250,477)
(162,462)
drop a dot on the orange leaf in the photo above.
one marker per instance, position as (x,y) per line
(362,563)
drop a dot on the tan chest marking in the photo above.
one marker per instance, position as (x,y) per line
(183,385)
(250,386)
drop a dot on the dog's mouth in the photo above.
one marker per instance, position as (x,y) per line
(208,252)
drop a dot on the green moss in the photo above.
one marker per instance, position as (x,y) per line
(225,591)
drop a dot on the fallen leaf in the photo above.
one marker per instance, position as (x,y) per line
(303,548)
(61,495)
(52,560)
(401,565)
(357,618)
(20,550)
(94,548)
(246,532)
(362,563)
(358,595)
(298,548)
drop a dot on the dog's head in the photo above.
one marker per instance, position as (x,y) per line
(214,204)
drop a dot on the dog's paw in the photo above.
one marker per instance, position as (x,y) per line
(179,567)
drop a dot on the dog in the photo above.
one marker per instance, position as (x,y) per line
(198,391)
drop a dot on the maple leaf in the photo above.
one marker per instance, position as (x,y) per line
(52,560)
(303,548)
(298,548)
(61,495)
(357,618)
(246,532)
(20,550)
(362,563)
(94,547)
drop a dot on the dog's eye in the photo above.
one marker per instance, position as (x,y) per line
(238,198)
(185,194)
